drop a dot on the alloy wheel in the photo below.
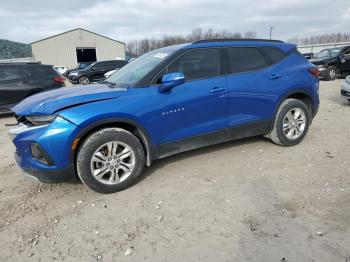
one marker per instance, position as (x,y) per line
(294,123)
(112,163)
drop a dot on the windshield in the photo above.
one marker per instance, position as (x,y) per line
(133,72)
(328,53)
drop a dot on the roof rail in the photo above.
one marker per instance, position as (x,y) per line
(236,40)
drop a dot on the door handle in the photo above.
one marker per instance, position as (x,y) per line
(275,76)
(217,89)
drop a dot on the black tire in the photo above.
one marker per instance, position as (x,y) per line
(277,134)
(331,73)
(344,75)
(84,80)
(96,140)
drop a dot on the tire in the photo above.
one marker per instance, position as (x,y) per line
(331,73)
(289,107)
(344,75)
(84,80)
(100,144)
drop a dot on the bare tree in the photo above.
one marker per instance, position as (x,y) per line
(138,47)
(321,39)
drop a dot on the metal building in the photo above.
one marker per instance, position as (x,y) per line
(76,46)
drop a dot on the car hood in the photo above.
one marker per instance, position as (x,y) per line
(52,101)
(77,71)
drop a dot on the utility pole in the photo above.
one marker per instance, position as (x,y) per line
(271,28)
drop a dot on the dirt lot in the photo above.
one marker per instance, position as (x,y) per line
(247,200)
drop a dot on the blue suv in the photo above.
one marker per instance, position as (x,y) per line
(167,101)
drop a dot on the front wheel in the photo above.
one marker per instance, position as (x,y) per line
(110,160)
(84,80)
(331,73)
(291,123)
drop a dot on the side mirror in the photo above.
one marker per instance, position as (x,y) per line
(170,80)
(342,59)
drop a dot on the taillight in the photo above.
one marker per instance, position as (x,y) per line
(314,71)
(59,79)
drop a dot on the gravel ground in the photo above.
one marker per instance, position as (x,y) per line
(247,200)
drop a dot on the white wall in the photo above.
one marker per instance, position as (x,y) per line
(61,49)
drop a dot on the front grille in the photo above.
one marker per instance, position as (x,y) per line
(345,93)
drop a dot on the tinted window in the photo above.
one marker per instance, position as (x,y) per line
(197,64)
(275,54)
(8,73)
(40,71)
(99,65)
(244,59)
(347,53)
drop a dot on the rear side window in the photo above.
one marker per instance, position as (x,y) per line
(274,54)
(243,59)
(117,64)
(197,64)
(41,71)
(8,73)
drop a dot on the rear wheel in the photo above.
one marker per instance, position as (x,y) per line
(291,123)
(110,160)
(331,73)
(84,80)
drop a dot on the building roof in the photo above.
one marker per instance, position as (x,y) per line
(75,30)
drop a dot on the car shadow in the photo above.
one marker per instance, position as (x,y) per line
(158,164)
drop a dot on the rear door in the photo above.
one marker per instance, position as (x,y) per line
(13,85)
(252,86)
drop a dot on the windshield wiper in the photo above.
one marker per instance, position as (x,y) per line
(111,84)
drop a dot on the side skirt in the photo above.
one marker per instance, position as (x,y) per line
(224,135)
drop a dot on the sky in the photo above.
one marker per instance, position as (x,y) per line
(126,20)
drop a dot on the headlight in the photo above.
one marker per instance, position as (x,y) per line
(347,80)
(320,66)
(73,74)
(41,120)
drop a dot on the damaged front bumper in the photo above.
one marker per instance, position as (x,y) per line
(43,152)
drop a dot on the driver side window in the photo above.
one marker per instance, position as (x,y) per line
(98,66)
(197,64)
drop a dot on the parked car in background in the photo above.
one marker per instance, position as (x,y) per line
(167,101)
(61,69)
(309,56)
(345,88)
(21,80)
(333,62)
(95,72)
(79,67)
(109,73)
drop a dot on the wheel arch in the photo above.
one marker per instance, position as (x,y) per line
(127,124)
(300,94)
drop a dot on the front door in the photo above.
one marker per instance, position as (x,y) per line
(199,106)
(345,63)
(98,71)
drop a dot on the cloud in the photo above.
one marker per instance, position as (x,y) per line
(126,20)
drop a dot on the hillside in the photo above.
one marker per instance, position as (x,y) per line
(10,49)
